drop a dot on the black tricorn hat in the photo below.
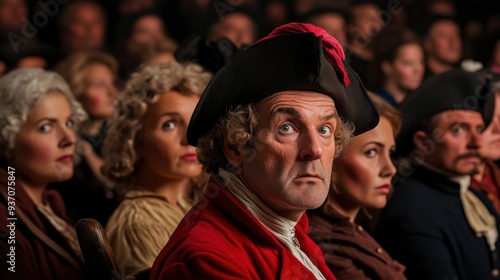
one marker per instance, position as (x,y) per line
(293,61)
(452,90)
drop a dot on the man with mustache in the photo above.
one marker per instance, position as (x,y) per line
(434,224)
(267,128)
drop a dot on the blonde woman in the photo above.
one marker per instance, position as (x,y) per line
(91,76)
(147,153)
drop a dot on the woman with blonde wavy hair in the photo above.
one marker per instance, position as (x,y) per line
(147,154)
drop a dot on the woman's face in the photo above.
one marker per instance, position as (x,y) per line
(364,170)
(407,69)
(100,91)
(491,136)
(164,148)
(44,147)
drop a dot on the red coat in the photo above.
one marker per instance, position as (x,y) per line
(220,239)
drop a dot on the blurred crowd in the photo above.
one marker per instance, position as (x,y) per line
(129,70)
(44,33)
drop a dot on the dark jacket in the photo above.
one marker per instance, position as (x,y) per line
(424,227)
(350,252)
(33,258)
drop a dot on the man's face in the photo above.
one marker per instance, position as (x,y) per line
(86,29)
(367,20)
(238,28)
(457,139)
(333,24)
(444,43)
(12,13)
(290,167)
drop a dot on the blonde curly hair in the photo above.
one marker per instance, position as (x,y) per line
(143,88)
(75,68)
(238,128)
(20,91)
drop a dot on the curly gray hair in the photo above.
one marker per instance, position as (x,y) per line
(20,91)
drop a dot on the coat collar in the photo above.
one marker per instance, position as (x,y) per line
(220,196)
(436,180)
(224,201)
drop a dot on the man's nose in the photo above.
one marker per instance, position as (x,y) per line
(311,146)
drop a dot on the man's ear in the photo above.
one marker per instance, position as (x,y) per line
(232,154)
(423,142)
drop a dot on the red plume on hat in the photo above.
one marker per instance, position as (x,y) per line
(332,48)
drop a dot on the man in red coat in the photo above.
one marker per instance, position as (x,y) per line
(267,129)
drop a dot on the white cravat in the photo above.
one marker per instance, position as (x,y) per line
(282,228)
(478,216)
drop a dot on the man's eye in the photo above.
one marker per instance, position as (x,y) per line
(325,130)
(286,128)
(457,129)
(70,123)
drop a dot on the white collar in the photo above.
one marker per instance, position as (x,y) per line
(282,228)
